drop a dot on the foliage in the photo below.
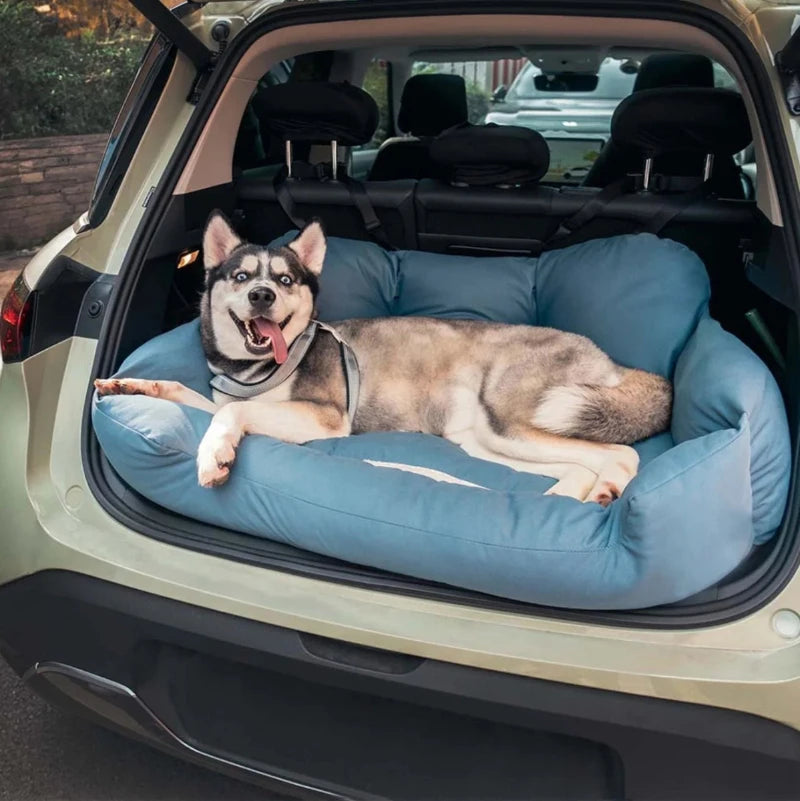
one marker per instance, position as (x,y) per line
(477,97)
(53,84)
(477,103)
(376,85)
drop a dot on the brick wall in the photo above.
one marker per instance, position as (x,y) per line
(45,184)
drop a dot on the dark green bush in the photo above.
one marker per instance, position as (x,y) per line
(52,85)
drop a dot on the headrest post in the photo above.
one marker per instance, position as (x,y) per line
(708,167)
(334,158)
(289,158)
(648,169)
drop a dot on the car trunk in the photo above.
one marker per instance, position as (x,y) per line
(745,255)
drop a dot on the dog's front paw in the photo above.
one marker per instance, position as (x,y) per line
(214,460)
(126,386)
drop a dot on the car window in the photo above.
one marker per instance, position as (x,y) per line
(723,79)
(377,84)
(252,148)
(477,77)
(129,126)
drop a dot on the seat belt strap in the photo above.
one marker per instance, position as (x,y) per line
(286,201)
(672,207)
(589,210)
(372,224)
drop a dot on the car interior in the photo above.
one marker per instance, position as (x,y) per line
(416,167)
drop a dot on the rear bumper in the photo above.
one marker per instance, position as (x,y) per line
(320,718)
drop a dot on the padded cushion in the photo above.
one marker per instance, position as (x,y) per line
(403,157)
(317,111)
(704,494)
(488,155)
(431,103)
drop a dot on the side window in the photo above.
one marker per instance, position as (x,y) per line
(251,148)
(478,77)
(376,84)
(129,126)
(723,79)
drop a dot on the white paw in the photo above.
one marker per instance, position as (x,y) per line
(616,474)
(576,483)
(214,459)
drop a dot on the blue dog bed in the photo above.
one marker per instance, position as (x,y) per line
(706,491)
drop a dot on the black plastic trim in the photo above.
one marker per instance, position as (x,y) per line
(99,626)
(170,26)
(785,556)
(59,295)
(107,702)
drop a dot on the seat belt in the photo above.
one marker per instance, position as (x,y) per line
(358,195)
(286,201)
(589,210)
(673,206)
(372,224)
(669,208)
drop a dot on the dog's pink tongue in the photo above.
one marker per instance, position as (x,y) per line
(272,330)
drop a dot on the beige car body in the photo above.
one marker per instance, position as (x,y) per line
(52,521)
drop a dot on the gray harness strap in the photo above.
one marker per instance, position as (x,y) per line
(245,391)
(352,375)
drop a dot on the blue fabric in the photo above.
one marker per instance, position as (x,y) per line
(705,491)
(717,379)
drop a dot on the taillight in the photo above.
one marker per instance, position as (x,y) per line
(15,321)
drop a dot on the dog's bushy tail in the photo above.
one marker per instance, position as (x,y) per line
(638,407)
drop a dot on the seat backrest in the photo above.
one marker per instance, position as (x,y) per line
(619,158)
(314,113)
(329,201)
(429,105)
(462,217)
(685,132)
(488,199)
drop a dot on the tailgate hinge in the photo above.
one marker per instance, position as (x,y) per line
(219,33)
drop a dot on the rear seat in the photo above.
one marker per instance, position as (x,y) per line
(459,217)
(338,116)
(493,203)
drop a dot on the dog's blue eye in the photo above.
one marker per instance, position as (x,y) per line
(240,277)
(285,280)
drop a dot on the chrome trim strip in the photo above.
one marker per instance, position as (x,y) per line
(124,699)
(81,224)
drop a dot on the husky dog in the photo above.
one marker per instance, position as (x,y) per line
(535,399)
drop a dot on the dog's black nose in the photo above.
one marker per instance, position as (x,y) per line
(262,295)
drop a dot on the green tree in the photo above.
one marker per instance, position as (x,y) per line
(52,84)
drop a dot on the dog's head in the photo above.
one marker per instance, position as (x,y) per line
(257,300)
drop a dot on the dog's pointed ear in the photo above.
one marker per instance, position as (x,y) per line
(219,240)
(310,246)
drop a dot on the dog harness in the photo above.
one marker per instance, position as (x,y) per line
(297,351)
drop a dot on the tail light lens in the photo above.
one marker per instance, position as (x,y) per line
(15,321)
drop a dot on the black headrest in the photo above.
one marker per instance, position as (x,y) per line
(317,111)
(488,155)
(670,70)
(432,103)
(659,121)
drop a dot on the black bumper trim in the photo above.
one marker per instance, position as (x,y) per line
(117,704)
(97,625)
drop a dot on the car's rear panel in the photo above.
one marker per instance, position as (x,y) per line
(54,524)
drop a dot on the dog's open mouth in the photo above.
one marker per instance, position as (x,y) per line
(260,334)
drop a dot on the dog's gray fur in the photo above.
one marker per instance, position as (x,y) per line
(532,397)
